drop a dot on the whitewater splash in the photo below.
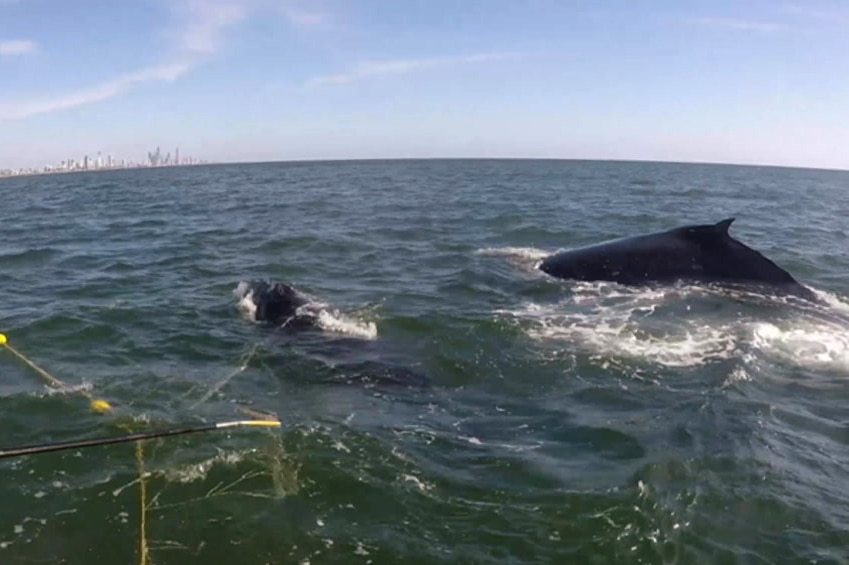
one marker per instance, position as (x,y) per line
(327,319)
(822,346)
(681,327)
(523,254)
(527,259)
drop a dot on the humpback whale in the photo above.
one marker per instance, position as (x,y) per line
(353,360)
(277,303)
(695,253)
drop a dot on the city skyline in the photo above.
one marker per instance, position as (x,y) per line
(99,162)
(753,82)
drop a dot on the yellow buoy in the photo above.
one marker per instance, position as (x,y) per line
(3,339)
(100,406)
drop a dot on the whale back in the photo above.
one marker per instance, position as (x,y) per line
(727,259)
(703,253)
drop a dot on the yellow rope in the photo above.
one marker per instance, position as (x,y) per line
(51,380)
(143,552)
(101,406)
(98,405)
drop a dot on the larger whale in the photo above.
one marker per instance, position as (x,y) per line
(696,253)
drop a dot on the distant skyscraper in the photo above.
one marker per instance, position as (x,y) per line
(177,156)
(155,157)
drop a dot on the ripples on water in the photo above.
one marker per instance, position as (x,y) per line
(578,423)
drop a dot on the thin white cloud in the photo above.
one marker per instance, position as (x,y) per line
(103,91)
(199,30)
(17,47)
(812,12)
(202,23)
(403,66)
(307,19)
(741,25)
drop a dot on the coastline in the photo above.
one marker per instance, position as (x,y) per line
(27,174)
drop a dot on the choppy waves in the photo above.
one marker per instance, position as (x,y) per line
(553,422)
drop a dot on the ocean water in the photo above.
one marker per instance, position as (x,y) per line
(457,405)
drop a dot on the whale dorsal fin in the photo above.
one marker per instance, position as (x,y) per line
(722,227)
(706,232)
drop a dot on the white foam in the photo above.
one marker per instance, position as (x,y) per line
(336,322)
(418,483)
(639,296)
(69,389)
(521,253)
(527,259)
(694,346)
(339,446)
(831,299)
(198,471)
(739,373)
(805,343)
(609,320)
(245,302)
(361,549)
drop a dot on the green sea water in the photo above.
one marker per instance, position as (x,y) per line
(559,422)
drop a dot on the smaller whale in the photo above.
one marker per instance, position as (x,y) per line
(346,361)
(278,303)
(695,253)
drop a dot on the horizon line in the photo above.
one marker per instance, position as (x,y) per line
(592,159)
(390,159)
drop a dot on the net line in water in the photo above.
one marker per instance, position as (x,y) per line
(276,467)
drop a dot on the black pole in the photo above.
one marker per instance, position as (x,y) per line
(57,446)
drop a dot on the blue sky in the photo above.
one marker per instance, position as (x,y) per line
(745,81)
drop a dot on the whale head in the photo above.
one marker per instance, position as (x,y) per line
(277,303)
